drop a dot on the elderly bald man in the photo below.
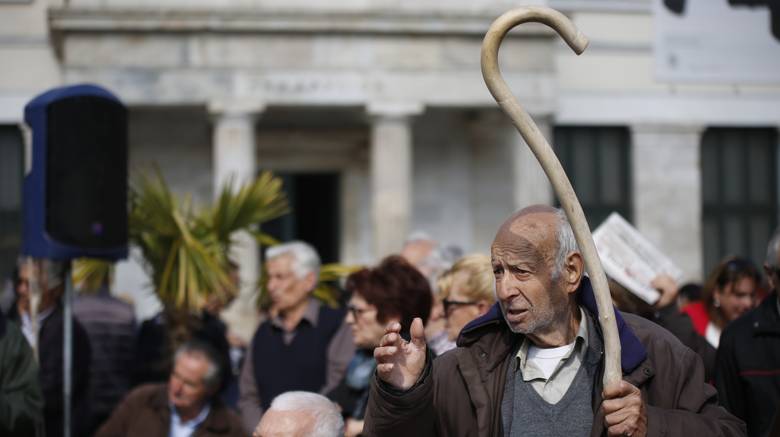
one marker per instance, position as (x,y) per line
(533,364)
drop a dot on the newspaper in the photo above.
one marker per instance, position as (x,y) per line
(631,260)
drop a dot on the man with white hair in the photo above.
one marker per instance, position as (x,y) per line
(304,345)
(187,406)
(301,414)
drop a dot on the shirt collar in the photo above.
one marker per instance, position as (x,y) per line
(311,315)
(27,326)
(580,345)
(192,423)
(40,317)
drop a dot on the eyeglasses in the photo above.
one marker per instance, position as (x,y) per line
(357,312)
(452,304)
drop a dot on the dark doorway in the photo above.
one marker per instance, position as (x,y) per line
(315,216)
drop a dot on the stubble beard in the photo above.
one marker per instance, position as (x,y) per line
(538,319)
(541,319)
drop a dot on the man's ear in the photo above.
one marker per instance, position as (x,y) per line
(311,280)
(572,271)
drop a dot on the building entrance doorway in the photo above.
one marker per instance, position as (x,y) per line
(315,212)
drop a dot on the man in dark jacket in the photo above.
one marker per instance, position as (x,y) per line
(303,346)
(533,365)
(747,369)
(21,403)
(50,276)
(187,406)
(110,325)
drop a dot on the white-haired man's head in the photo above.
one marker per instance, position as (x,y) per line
(423,252)
(293,270)
(772,260)
(301,414)
(304,257)
(47,276)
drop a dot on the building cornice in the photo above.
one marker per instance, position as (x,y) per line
(605,6)
(72,19)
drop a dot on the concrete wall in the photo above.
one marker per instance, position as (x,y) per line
(178,142)
(27,57)
(442,174)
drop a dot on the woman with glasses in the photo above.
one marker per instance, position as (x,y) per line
(728,293)
(466,292)
(393,291)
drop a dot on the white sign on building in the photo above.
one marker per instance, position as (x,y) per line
(717,41)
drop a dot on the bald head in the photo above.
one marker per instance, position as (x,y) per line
(540,232)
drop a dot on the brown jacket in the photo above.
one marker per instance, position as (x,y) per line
(145,413)
(460,392)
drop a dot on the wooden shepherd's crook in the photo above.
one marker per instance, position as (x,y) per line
(552,167)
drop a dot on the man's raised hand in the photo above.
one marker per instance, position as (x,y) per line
(400,362)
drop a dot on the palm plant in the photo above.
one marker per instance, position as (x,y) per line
(90,275)
(186,251)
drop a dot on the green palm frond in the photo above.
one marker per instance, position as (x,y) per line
(327,289)
(186,251)
(256,202)
(89,274)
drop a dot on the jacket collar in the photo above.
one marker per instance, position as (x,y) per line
(632,353)
(216,421)
(767,318)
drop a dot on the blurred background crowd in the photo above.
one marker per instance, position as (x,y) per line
(303,142)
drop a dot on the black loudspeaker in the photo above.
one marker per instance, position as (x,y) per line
(76,193)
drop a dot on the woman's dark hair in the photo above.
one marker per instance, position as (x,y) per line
(628,302)
(729,271)
(395,288)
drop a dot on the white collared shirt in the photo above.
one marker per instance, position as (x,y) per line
(551,371)
(27,328)
(186,429)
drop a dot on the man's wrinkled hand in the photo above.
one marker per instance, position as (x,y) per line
(624,410)
(399,362)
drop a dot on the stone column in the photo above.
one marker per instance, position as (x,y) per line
(667,191)
(531,185)
(234,157)
(391,174)
(505,175)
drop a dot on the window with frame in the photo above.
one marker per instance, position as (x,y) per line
(739,192)
(11,176)
(597,160)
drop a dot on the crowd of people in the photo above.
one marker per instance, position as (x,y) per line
(429,342)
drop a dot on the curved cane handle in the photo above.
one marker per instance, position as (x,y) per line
(552,167)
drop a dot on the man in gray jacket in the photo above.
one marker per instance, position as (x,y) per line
(533,365)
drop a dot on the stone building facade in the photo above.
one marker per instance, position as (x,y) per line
(380,105)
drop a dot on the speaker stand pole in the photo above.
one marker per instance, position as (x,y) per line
(67,351)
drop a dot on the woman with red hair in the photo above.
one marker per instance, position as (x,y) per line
(393,291)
